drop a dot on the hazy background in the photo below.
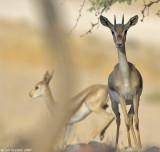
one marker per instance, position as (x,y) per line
(25,57)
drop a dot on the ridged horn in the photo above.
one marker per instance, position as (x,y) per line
(114,20)
(123,19)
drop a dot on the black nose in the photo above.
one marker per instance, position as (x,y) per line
(119,45)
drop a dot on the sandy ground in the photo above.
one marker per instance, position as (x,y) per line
(24,60)
(20,114)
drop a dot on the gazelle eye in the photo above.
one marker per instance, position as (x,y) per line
(36,87)
(125,32)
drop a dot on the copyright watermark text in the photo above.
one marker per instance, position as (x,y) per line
(15,150)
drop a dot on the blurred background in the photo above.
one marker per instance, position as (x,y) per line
(28,49)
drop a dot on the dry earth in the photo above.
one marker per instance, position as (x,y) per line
(24,59)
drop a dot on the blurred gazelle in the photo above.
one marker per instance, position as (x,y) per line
(125,82)
(93,98)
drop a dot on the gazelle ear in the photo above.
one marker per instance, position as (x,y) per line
(133,21)
(46,77)
(106,22)
(50,76)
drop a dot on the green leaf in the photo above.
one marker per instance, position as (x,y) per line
(99,4)
(91,9)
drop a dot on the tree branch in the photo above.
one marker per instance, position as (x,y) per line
(93,25)
(147,7)
(77,20)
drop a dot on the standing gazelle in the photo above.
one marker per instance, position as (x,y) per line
(125,82)
(93,98)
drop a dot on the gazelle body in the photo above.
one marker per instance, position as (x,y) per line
(93,98)
(125,82)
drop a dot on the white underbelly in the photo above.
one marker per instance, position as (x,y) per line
(80,114)
(127,92)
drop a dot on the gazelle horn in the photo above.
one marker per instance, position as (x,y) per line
(114,20)
(123,19)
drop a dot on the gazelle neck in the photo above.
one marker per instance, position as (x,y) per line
(123,64)
(49,100)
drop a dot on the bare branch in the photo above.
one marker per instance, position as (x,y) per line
(147,7)
(77,20)
(93,25)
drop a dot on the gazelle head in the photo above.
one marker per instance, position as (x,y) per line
(119,31)
(41,86)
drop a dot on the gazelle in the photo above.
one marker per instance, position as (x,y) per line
(125,82)
(93,98)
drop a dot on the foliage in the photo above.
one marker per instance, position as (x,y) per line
(98,5)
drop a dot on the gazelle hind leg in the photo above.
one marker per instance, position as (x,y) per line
(104,129)
(109,118)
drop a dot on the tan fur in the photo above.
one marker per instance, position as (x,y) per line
(90,99)
(125,82)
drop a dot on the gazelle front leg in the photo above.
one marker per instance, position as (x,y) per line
(118,122)
(115,109)
(127,122)
(130,115)
(136,119)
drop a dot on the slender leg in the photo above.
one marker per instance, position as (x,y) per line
(118,120)
(136,119)
(130,115)
(104,129)
(68,129)
(123,106)
(109,118)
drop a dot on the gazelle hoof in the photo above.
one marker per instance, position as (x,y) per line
(101,137)
(131,149)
